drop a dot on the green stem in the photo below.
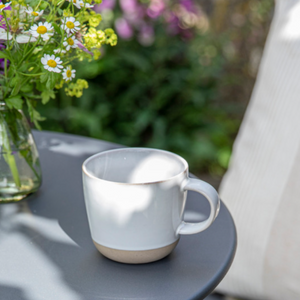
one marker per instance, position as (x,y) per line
(39,74)
(44,47)
(8,156)
(5,78)
(29,52)
(38,5)
(5,67)
(7,30)
(33,169)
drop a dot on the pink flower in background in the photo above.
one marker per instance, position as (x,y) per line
(138,17)
(133,12)
(156,8)
(105,5)
(129,6)
(123,28)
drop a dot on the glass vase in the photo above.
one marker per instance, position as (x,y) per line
(20,172)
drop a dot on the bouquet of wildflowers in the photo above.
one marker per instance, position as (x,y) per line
(39,40)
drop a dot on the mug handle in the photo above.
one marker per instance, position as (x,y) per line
(205,189)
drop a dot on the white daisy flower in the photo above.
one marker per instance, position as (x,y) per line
(52,63)
(70,42)
(25,38)
(68,73)
(77,3)
(70,25)
(59,51)
(2,6)
(20,38)
(86,5)
(4,36)
(42,29)
(35,14)
(22,12)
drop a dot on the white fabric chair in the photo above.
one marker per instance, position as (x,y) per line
(262,185)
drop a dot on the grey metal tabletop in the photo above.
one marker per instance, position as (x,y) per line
(46,251)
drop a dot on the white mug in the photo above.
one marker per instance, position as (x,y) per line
(135,199)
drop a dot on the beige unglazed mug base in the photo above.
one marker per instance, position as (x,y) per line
(136,257)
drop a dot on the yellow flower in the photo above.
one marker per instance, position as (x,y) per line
(97,54)
(67,13)
(111,37)
(94,19)
(94,38)
(76,89)
(59,85)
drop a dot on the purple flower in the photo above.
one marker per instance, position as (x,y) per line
(2,60)
(84,48)
(106,4)
(188,5)
(2,20)
(123,28)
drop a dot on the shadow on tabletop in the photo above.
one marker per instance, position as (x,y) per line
(55,221)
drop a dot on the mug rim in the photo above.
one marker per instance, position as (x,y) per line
(87,173)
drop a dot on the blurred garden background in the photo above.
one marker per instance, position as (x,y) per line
(179,78)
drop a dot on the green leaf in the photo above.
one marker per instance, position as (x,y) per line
(26,88)
(14,102)
(11,71)
(16,88)
(46,95)
(57,28)
(34,115)
(14,81)
(44,5)
(3,55)
(23,68)
(32,96)
(48,83)
(44,77)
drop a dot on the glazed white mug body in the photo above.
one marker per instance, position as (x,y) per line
(135,199)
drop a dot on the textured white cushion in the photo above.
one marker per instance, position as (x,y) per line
(262,185)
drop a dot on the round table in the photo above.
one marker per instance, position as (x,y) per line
(46,251)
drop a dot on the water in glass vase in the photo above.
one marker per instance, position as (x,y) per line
(12,189)
(20,172)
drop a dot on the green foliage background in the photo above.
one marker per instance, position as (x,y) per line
(184,96)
